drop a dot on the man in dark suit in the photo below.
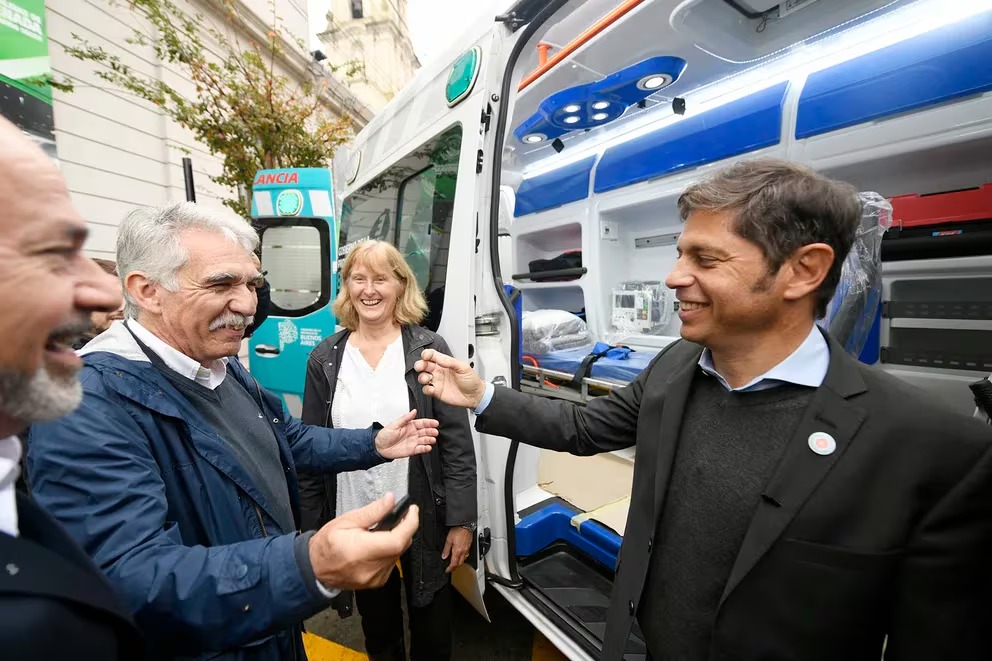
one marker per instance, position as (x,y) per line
(54,603)
(788,502)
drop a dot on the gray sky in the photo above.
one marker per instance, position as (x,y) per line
(433,24)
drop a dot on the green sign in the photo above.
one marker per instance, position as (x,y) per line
(25,96)
(464,73)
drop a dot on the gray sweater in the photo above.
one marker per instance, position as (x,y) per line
(234,415)
(729,445)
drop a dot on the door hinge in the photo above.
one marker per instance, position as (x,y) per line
(487,115)
(485,542)
(478,162)
(487,325)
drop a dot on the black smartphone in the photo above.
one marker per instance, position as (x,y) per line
(396,515)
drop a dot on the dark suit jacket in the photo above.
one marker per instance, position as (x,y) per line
(890,535)
(54,602)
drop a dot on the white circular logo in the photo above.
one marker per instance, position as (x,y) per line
(822,443)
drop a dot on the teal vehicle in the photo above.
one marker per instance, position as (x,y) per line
(293,211)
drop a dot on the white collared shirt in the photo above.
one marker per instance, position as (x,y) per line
(10,468)
(806,366)
(179,362)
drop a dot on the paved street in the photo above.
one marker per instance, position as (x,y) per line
(508,638)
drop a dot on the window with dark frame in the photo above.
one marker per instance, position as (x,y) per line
(356,9)
(295,252)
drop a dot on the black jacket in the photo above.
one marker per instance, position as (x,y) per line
(262,308)
(890,535)
(54,602)
(442,482)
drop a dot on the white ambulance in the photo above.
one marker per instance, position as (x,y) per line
(530,176)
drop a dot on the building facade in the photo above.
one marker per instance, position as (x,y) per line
(118,152)
(368,43)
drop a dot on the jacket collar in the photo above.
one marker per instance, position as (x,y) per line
(800,470)
(415,340)
(50,563)
(115,340)
(132,376)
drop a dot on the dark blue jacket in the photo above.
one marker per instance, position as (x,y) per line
(160,503)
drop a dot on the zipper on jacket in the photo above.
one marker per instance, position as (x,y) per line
(258,513)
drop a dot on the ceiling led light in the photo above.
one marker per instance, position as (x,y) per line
(654,82)
(571,119)
(600,116)
(917,18)
(601,105)
(573,108)
(534,138)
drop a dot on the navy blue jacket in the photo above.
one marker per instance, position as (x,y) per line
(159,501)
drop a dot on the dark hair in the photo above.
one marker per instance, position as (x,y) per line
(110,267)
(781,207)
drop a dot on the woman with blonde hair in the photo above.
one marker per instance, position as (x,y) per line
(363,374)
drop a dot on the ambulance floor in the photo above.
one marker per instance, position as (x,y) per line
(507,638)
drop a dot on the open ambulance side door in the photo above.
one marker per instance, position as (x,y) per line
(419,178)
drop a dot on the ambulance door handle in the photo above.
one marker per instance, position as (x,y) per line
(266,350)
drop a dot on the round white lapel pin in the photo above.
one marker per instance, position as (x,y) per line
(822,443)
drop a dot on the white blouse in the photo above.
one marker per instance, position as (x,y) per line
(363,396)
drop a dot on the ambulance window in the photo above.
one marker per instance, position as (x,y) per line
(427,200)
(296,259)
(368,214)
(410,205)
(416,217)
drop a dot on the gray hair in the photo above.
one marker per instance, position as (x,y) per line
(148,240)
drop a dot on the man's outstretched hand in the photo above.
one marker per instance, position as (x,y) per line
(449,380)
(405,437)
(346,556)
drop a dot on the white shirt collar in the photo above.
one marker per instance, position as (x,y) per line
(806,366)
(10,468)
(179,362)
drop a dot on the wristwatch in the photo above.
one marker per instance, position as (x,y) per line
(471,527)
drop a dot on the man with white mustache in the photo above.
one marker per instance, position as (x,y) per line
(181,479)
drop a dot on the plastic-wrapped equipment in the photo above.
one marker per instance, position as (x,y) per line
(641,307)
(851,312)
(545,331)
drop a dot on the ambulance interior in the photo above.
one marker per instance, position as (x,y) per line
(617,107)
